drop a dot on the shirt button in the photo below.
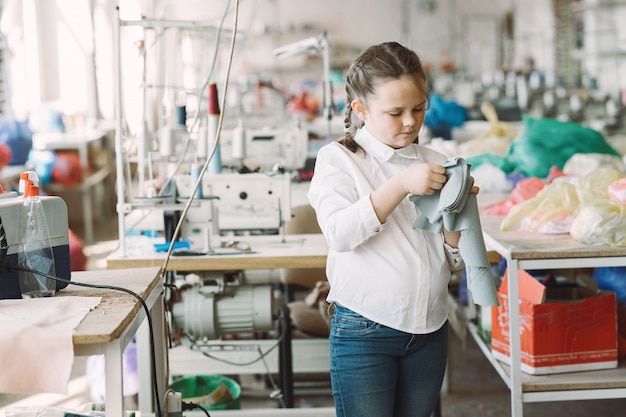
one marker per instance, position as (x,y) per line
(377,229)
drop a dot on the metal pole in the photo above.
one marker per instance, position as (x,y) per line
(119,143)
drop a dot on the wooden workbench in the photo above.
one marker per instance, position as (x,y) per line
(268,252)
(109,327)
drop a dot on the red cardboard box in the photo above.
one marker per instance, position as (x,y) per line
(562,329)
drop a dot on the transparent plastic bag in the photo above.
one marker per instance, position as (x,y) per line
(617,191)
(595,185)
(600,222)
(549,211)
(581,164)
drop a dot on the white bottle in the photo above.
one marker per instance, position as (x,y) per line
(36,249)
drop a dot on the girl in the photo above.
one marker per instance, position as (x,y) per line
(389,282)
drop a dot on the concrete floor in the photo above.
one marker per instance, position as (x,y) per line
(475,387)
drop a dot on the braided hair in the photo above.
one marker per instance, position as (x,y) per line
(388,60)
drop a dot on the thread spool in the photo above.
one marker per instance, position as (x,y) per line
(166,142)
(202,144)
(215,165)
(239,142)
(195,174)
(181,112)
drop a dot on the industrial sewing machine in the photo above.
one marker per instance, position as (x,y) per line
(229,207)
(235,203)
(10,219)
(265,147)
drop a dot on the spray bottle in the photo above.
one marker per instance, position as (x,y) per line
(36,249)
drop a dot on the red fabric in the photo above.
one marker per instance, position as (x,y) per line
(67,169)
(526,189)
(5,155)
(555,172)
(78,259)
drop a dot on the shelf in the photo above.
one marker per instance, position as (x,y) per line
(85,187)
(567,384)
(540,251)
(89,181)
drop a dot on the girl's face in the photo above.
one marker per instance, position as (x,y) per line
(394,114)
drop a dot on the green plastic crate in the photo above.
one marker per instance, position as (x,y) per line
(197,389)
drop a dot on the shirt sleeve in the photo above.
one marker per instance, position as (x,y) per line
(453,255)
(341,200)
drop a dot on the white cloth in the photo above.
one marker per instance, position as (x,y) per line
(36,348)
(390,273)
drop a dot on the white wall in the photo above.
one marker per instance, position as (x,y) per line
(469,31)
(353,25)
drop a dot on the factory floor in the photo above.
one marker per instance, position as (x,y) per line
(475,387)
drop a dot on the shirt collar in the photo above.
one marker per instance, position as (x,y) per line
(379,150)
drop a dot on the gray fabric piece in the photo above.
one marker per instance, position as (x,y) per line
(456,209)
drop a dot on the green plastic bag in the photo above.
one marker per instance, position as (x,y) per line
(545,143)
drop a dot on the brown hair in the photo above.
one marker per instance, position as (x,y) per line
(385,60)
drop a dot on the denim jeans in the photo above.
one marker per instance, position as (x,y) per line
(381,372)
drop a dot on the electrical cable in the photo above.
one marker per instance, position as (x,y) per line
(192,406)
(218,134)
(200,94)
(277,393)
(15,267)
(4,246)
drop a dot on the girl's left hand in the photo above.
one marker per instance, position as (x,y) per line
(474,189)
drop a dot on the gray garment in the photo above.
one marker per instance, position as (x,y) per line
(456,209)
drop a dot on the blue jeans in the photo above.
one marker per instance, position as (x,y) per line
(381,372)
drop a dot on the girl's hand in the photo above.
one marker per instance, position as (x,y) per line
(423,179)
(474,188)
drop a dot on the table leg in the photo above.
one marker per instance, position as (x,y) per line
(114,390)
(286,359)
(144,359)
(88,213)
(517,402)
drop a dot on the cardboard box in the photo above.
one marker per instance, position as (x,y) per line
(562,329)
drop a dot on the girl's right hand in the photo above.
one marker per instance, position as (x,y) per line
(423,179)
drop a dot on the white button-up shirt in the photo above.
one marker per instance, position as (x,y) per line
(389,273)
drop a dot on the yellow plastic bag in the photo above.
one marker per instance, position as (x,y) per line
(549,211)
(496,140)
(600,222)
(595,185)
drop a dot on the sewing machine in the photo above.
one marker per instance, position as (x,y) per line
(243,202)
(265,147)
(10,218)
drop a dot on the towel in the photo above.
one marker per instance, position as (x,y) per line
(36,348)
(456,209)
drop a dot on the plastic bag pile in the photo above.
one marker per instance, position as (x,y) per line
(591,208)
(543,144)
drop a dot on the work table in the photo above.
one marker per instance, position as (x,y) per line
(267,252)
(533,251)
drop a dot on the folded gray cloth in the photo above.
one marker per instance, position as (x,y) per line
(456,209)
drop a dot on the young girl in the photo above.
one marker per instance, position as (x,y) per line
(389,281)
